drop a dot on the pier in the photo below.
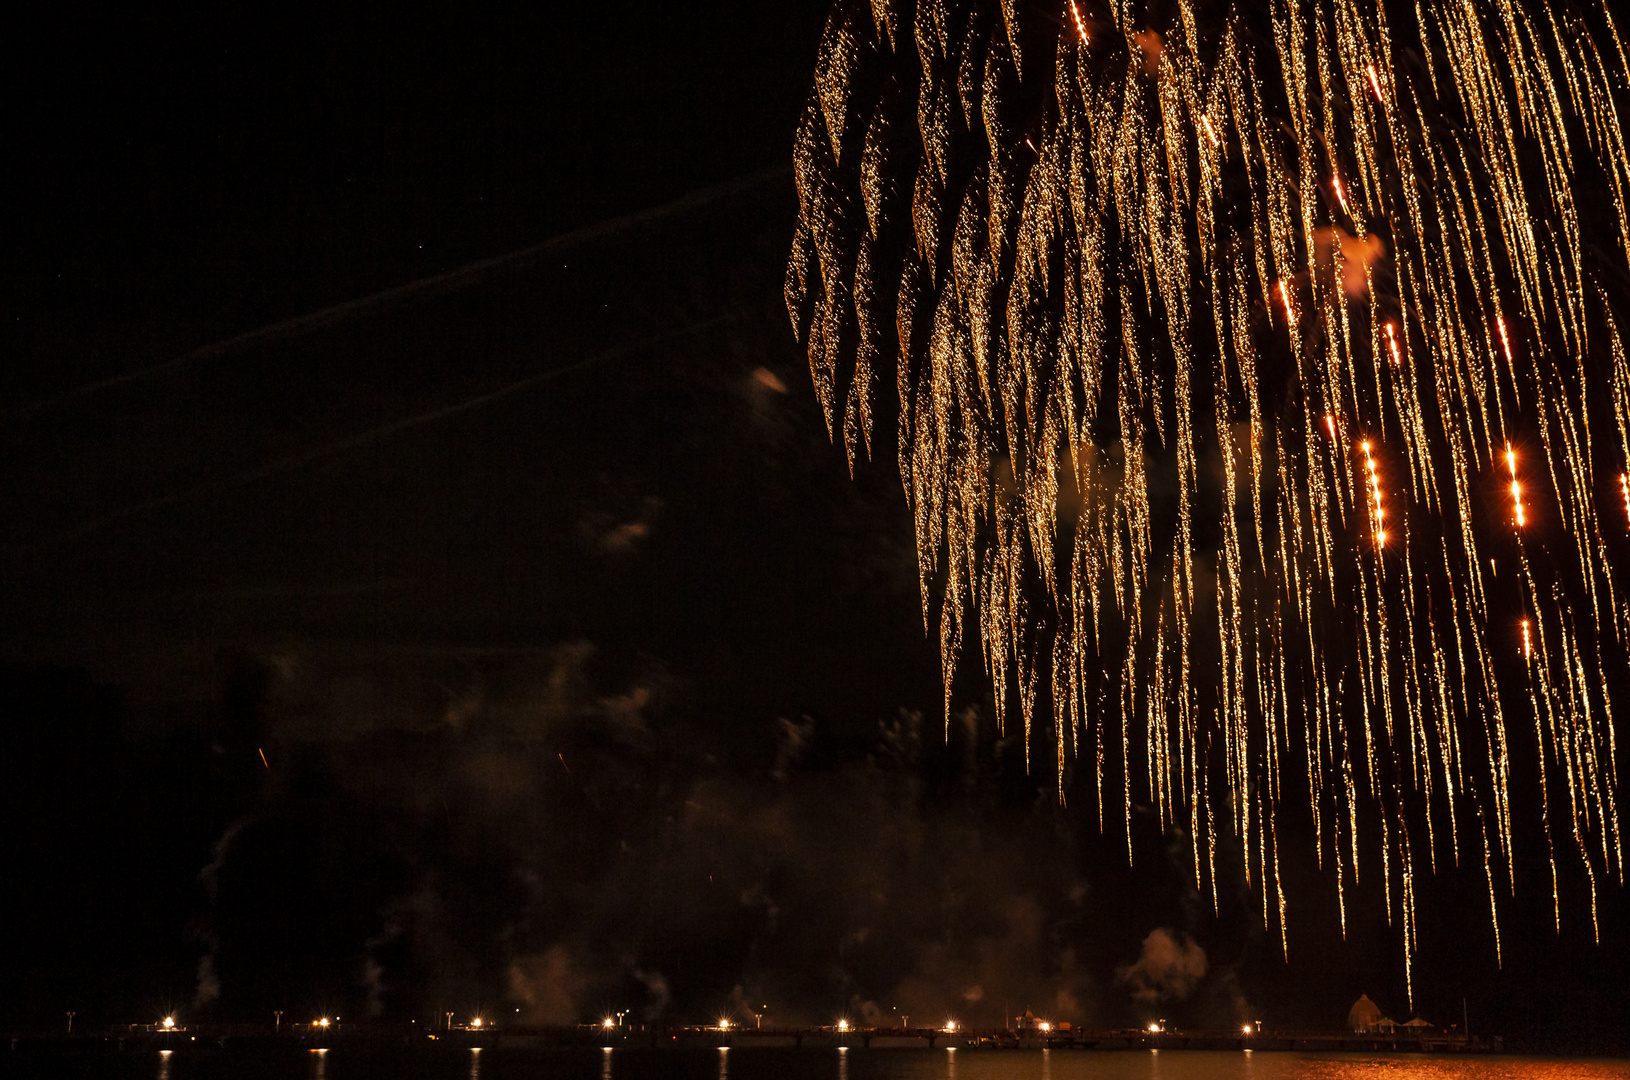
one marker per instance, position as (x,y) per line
(264,1037)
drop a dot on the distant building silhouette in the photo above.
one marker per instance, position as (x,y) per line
(1365,1015)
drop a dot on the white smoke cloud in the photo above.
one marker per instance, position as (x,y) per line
(209,984)
(657,985)
(1168,968)
(548,986)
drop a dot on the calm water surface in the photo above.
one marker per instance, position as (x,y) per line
(823,1063)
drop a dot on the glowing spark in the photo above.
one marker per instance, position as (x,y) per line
(1341,196)
(1527,645)
(1392,340)
(1624,489)
(1375,84)
(1080,27)
(1210,132)
(1377,512)
(263,760)
(1516,487)
(1505,340)
(1330,424)
(1284,297)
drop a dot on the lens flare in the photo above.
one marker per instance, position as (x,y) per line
(1125,299)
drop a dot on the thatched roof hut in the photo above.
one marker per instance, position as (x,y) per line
(1364,1014)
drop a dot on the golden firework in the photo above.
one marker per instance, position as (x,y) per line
(1132,282)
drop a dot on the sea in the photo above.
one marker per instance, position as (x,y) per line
(825,1063)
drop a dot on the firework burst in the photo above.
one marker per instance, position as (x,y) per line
(1138,274)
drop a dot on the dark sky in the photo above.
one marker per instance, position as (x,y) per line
(519,641)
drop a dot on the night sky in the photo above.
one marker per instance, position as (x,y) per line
(387,632)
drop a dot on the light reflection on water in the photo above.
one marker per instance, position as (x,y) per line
(943,1063)
(1191,1065)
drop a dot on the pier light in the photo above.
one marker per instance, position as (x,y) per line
(843,1025)
(169,1023)
(950,1025)
(476,1022)
(724,1025)
(323,1022)
(1154,1029)
(608,1022)
(1045,1026)
(1247,1029)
